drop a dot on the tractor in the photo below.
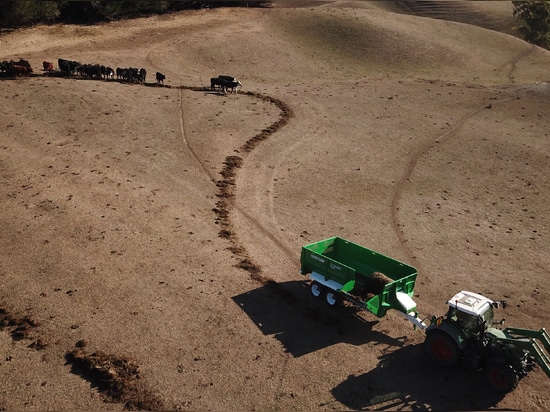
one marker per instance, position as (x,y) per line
(469,335)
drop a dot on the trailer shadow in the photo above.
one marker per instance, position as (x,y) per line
(406,380)
(304,324)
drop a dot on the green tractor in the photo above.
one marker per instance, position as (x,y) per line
(467,335)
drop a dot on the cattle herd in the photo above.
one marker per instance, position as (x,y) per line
(13,69)
(67,68)
(98,71)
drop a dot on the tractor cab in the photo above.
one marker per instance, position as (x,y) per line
(473,313)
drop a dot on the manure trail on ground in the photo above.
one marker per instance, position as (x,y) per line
(20,328)
(226,193)
(116,377)
(226,186)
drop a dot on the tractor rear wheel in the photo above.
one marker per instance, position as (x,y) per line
(442,348)
(501,377)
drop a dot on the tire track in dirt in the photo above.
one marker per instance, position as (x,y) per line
(422,151)
(182,123)
(226,203)
(186,142)
(513,62)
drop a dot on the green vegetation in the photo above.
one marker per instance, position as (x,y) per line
(18,13)
(535,17)
(27,12)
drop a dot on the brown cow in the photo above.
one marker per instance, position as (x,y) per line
(18,70)
(48,67)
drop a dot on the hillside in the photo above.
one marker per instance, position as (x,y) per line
(153,232)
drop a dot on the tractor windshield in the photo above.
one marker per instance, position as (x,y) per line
(487,317)
(472,324)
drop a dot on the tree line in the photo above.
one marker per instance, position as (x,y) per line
(21,13)
(535,21)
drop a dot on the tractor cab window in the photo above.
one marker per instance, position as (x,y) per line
(467,322)
(487,317)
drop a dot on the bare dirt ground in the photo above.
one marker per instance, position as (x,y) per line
(150,236)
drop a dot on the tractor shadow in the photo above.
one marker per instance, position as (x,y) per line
(407,380)
(404,379)
(304,324)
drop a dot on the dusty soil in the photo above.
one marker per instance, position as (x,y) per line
(150,235)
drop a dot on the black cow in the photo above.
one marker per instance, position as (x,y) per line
(64,66)
(4,66)
(142,75)
(228,78)
(21,62)
(109,72)
(234,85)
(160,78)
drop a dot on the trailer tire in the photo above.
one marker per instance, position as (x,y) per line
(331,298)
(442,348)
(316,289)
(501,377)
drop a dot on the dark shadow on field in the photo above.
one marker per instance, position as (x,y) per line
(304,324)
(406,380)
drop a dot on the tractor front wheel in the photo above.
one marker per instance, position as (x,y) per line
(442,348)
(501,377)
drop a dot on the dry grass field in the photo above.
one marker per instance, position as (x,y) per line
(150,234)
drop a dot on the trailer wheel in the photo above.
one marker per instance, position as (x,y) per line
(331,298)
(316,289)
(442,348)
(501,377)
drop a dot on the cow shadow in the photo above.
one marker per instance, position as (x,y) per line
(407,380)
(304,324)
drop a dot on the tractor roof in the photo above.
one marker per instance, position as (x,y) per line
(470,303)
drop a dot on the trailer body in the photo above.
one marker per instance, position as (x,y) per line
(367,279)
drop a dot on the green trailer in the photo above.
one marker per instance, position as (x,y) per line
(342,270)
